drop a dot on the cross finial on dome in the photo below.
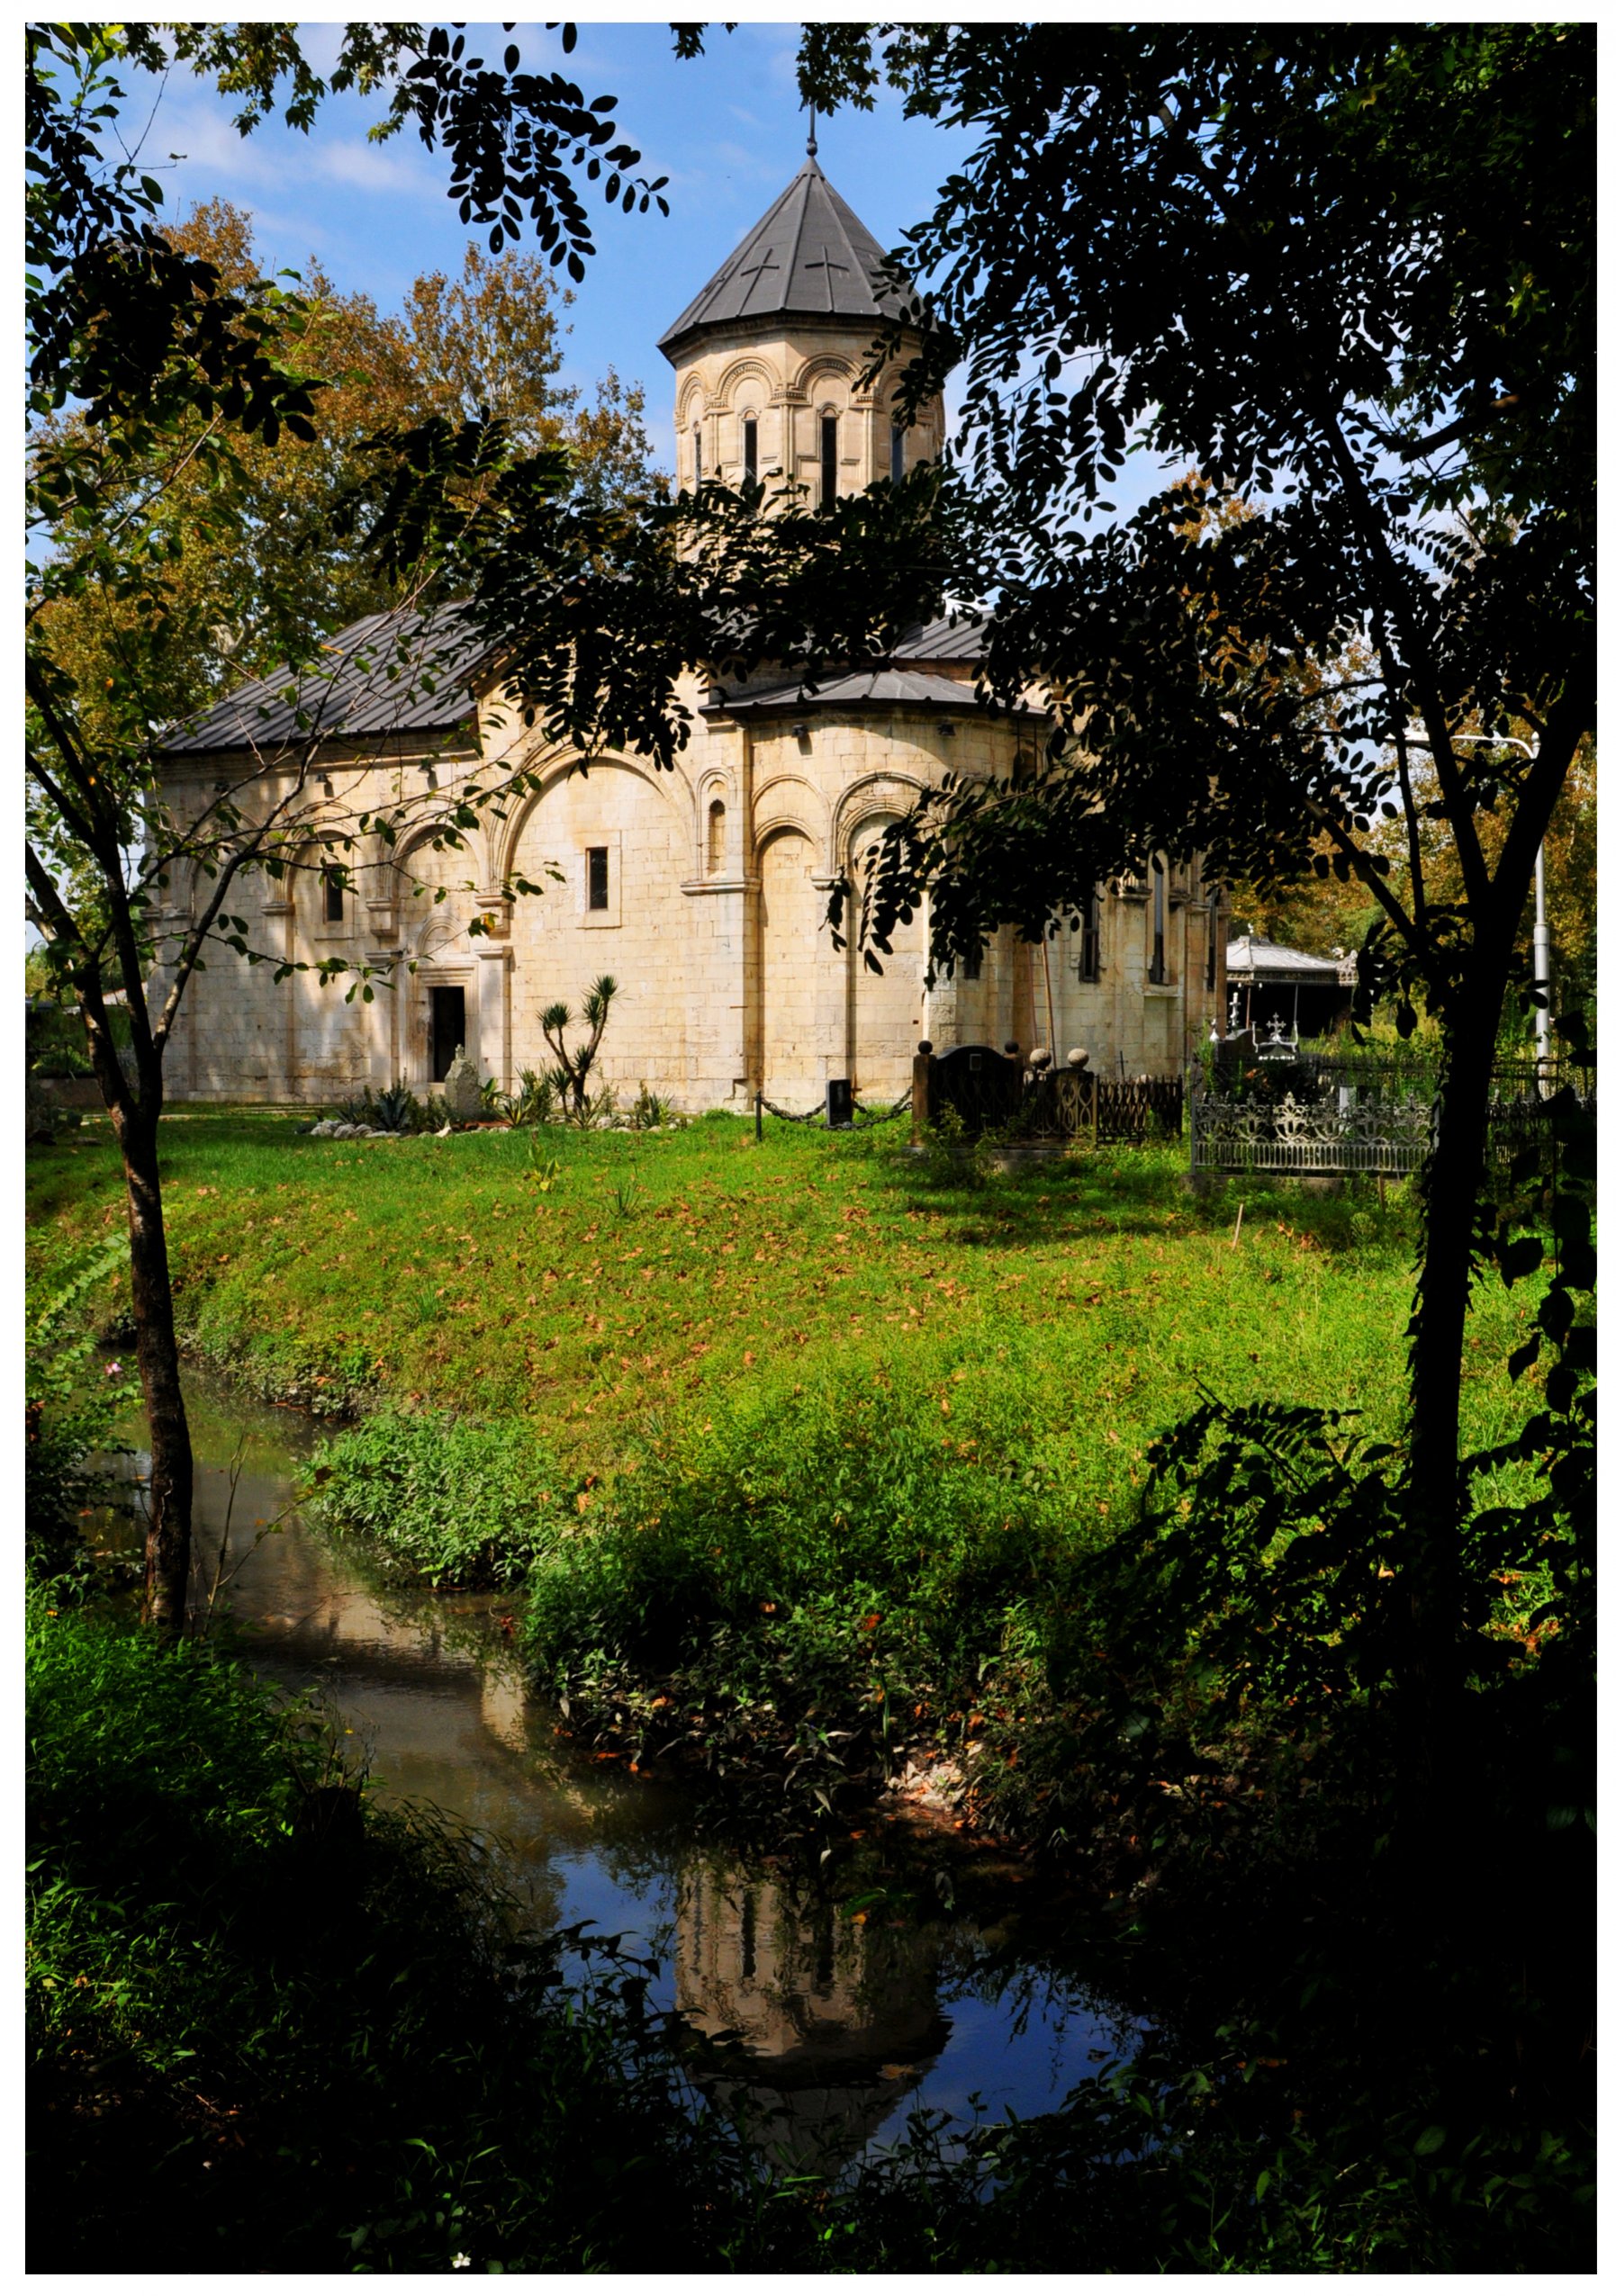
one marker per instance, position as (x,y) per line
(813,144)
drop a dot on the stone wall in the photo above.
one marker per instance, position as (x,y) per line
(712,924)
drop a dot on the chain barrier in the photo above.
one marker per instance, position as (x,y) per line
(816,1116)
(899,1108)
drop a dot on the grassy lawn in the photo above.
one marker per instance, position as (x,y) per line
(1052,1321)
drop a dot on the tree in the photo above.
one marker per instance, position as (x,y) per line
(1344,273)
(279,575)
(488,345)
(171,371)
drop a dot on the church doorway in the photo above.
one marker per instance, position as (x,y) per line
(447,1031)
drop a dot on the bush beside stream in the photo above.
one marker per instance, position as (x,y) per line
(259,2041)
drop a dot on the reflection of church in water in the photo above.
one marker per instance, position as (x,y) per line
(839,2019)
(703,890)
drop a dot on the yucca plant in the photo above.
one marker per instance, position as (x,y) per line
(533,1102)
(573,1066)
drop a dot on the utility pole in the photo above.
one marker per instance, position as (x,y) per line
(1540,978)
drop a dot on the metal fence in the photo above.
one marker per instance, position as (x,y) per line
(1075,1105)
(1324,1116)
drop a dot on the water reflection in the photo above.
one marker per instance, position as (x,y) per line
(839,2019)
(842,2009)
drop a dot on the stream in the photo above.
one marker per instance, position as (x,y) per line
(925,1971)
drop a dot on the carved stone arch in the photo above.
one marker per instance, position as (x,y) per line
(748,368)
(304,859)
(792,801)
(821,368)
(503,846)
(884,791)
(691,393)
(427,926)
(887,1009)
(715,785)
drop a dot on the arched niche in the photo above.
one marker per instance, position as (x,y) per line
(886,1008)
(624,838)
(790,800)
(792,954)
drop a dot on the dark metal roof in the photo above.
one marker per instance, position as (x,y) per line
(859,688)
(810,255)
(390,673)
(953,638)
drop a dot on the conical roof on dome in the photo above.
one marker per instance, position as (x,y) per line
(810,257)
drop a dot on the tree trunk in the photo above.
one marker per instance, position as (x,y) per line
(168,1528)
(1453,1179)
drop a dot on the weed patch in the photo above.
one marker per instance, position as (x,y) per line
(454,1502)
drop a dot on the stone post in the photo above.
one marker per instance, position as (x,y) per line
(278,907)
(920,1091)
(493,1012)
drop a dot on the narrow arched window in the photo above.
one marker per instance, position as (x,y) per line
(331,880)
(1158,923)
(715,837)
(749,449)
(696,435)
(1088,940)
(828,460)
(897,447)
(1212,934)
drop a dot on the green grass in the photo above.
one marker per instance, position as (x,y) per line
(1053,1319)
(831,1437)
(791,1443)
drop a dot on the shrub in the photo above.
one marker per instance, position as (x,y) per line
(260,2044)
(450,1501)
(805,1587)
(396,1109)
(533,1102)
(70,1402)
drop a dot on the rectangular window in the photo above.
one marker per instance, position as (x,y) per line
(332,880)
(697,436)
(749,450)
(897,447)
(828,460)
(1089,939)
(599,882)
(973,965)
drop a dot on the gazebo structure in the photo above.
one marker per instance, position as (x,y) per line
(1285,994)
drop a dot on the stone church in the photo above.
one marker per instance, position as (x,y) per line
(703,891)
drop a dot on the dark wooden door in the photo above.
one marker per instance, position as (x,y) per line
(448,1029)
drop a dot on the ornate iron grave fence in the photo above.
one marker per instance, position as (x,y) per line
(1324,1117)
(1075,1105)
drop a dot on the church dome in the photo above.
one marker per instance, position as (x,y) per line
(810,257)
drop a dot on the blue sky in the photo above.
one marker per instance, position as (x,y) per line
(726,130)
